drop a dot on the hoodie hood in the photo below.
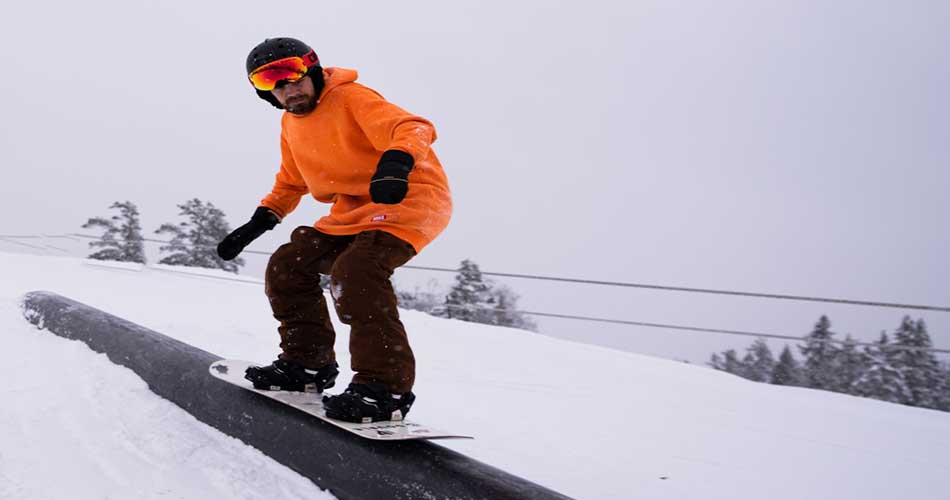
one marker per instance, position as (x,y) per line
(334,77)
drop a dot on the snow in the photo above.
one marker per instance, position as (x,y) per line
(587,421)
(74,425)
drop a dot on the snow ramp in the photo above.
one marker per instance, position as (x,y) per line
(347,466)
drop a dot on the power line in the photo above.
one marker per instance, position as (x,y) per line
(801,298)
(701,290)
(12,240)
(702,330)
(665,326)
(208,276)
(152,240)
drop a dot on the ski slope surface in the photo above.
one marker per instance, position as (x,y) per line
(587,421)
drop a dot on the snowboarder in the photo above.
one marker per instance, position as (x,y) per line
(346,145)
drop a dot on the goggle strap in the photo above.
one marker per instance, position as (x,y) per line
(310,58)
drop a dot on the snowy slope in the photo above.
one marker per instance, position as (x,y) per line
(586,421)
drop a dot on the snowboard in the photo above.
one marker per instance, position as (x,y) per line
(232,372)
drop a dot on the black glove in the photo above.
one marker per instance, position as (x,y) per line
(391,181)
(262,220)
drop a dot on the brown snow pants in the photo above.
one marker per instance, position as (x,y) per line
(360,268)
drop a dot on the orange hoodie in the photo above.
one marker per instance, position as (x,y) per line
(332,153)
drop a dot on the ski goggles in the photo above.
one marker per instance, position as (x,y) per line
(288,69)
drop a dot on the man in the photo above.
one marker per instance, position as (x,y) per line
(346,145)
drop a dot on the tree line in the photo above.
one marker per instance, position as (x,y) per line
(895,368)
(193,242)
(890,370)
(471,298)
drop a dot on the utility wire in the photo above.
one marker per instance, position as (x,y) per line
(12,240)
(701,330)
(152,240)
(802,298)
(701,290)
(251,281)
(612,321)
(591,318)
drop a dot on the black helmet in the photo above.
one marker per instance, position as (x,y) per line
(273,49)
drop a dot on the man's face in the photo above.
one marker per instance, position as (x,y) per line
(299,97)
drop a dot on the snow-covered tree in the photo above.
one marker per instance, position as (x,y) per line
(470,298)
(728,362)
(194,241)
(122,239)
(758,362)
(943,399)
(820,356)
(787,371)
(851,365)
(886,370)
(717,362)
(919,367)
(881,380)
(506,309)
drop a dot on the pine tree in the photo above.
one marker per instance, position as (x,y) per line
(470,297)
(506,310)
(820,356)
(920,368)
(943,388)
(194,241)
(787,371)
(759,362)
(122,240)
(851,365)
(881,380)
(716,362)
(744,366)
(728,362)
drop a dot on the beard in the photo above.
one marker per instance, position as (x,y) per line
(300,104)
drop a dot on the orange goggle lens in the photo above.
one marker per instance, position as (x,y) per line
(288,69)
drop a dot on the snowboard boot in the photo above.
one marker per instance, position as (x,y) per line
(365,403)
(287,376)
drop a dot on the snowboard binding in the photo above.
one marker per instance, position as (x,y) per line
(288,376)
(365,403)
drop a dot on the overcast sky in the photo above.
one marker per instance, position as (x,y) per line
(789,147)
